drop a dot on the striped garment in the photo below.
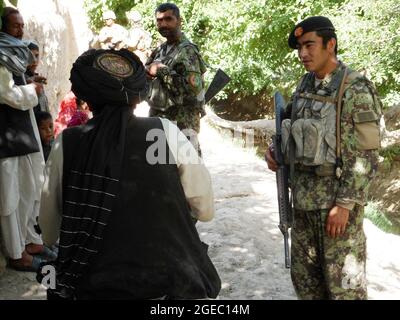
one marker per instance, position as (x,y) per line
(85,215)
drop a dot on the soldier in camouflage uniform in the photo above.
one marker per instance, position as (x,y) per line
(138,40)
(330,139)
(176,70)
(112,35)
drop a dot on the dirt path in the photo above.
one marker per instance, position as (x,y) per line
(245,243)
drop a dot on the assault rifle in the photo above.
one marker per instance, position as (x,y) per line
(282,177)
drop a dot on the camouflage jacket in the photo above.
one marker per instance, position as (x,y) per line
(359,159)
(182,80)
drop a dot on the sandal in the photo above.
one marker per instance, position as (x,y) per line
(47,254)
(34,267)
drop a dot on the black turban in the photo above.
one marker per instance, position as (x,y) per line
(109,77)
(111,80)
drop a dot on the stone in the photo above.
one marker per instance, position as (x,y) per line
(61,28)
(392,118)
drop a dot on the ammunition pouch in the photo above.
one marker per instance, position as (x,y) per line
(315,145)
(367,130)
(159,98)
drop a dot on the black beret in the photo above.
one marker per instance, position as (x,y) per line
(308,25)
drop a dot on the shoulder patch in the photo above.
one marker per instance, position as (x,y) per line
(355,76)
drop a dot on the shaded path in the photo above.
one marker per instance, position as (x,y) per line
(245,243)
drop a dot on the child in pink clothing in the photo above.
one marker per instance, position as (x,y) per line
(78,118)
(73,112)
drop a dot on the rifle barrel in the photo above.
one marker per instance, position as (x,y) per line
(286,243)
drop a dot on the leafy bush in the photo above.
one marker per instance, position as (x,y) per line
(369,40)
(391,153)
(379,219)
(248,39)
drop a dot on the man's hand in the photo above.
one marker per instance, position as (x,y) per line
(152,68)
(337,221)
(269,157)
(36,78)
(38,87)
(39,79)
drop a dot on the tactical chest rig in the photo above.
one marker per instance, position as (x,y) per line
(159,98)
(310,137)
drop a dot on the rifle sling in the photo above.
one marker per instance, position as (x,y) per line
(338,122)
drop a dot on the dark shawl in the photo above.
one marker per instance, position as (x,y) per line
(110,81)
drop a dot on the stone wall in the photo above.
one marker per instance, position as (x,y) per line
(249,134)
(61,29)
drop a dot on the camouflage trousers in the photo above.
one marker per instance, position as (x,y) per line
(187,122)
(326,268)
(184,117)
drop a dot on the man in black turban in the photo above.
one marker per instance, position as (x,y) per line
(123,219)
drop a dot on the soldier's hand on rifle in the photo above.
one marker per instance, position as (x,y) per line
(152,68)
(337,221)
(269,157)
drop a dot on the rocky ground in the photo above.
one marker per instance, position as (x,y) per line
(245,243)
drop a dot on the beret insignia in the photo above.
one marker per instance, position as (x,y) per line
(298,32)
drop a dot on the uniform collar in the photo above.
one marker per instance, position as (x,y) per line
(324,83)
(181,39)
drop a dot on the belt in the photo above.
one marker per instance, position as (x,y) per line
(321,171)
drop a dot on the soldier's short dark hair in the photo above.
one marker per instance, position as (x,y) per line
(7,11)
(327,35)
(169,6)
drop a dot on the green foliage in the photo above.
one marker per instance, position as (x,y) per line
(248,39)
(95,9)
(378,218)
(389,154)
(2,5)
(369,40)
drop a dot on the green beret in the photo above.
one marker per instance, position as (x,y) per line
(308,25)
